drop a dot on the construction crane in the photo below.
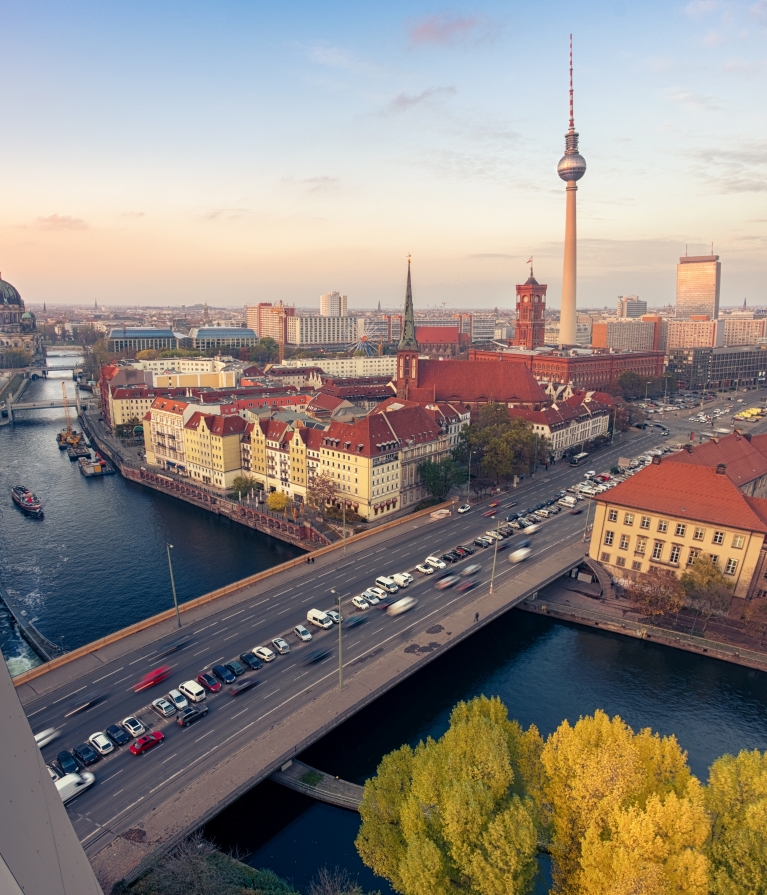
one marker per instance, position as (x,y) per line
(67,436)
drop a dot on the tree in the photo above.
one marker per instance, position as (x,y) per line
(265,351)
(102,353)
(706,588)
(334,882)
(438,477)
(756,615)
(630,384)
(245,484)
(594,770)
(456,815)
(654,594)
(736,798)
(148,354)
(14,358)
(321,491)
(278,501)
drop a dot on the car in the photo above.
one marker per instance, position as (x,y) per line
(471,570)
(354,621)
(334,616)
(483,542)
(133,726)
(360,603)
(317,655)
(435,563)
(501,547)
(152,678)
(209,682)
(281,645)
(46,736)
(86,754)
(101,743)
(494,503)
(252,661)
(117,735)
(466,584)
(85,702)
(53,772)
(191,714)
(469,550)
(520,554)
(544,513)
(68,763)
(576,511)
(264,653)
(385,602)
(173,647)
(164,708)
(460,551)
(178,699)
(425,570)
(148,741)
(512,517)
(450,557)
(402,605)
(235,667)
(464,508)
(492,535)
(223,674)
(302,633)
(241,687)
(446,581)
(373,595)
(589,474)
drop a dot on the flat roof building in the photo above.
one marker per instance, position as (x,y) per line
(697,285)
(222,337)
(144,338)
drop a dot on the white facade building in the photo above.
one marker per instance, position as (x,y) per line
(321,330)
(333,305)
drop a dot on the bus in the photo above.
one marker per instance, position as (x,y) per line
(578,459)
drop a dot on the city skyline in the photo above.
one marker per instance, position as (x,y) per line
(241,156)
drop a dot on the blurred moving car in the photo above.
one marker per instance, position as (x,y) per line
(154,677)
(316,655)
(355,621)
(402,605)
(86,702)
(446,582)
(464,508)
(46,736)
(172,647)
(243,686)
(520,554)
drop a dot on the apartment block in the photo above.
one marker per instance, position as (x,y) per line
(740,331)
(623,335)
(311,331)
(333,305)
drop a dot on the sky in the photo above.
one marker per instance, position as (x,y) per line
(236,152)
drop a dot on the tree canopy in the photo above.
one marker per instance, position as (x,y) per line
(706,587)
(278,501)
(439,476)
(320,491)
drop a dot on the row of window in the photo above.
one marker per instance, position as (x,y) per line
(658,547)
(680,529)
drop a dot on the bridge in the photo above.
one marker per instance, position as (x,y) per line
(12,408)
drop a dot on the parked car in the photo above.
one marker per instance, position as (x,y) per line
(281,645)
(133,726)
(483,542)
(101,743)
(435,563)
(425,570)
(86,753)
(302,633)
(117,735)
(235,667)
(264,653)
(178,699)
(373,595)
(251,660)
(333,615)
(164,708)
(68,763)
(145,743)
(191,714)
(223,674)
(468,549)
(360,603)
(209,682)
(450,557)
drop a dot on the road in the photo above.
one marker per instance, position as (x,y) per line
(128,786)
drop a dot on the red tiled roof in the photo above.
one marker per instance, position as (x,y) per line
(689,491)
(380,432)
(745,460)
(169,405)
(217,425)
(476,382)
(447,335)
(323,401)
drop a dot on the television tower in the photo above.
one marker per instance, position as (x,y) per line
(571,167)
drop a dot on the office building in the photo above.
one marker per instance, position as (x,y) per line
(380,327)
(146,338)
(716,368)
(624,335)
(631,306)
(321,331)
(699,331)
(697,285)
(742,331)
(269,320)
(209,337)
(333,305)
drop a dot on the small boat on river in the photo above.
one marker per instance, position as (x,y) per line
(92,468)
(26,501)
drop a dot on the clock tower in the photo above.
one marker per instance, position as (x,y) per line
(531,314)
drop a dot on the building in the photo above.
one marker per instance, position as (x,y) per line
(699,331)
(441,341)
(269,320)
(212,448)
(504,332)
(568,425)
(631,306)
(209,337)
(582,334)
(742,331)
(697,285)
(18,327)
(743,456)
(342,367)
(380,327)
(333,305)
(571,167)
(624,335)
(315,331)
(164,432)
(666,516)
(697,369)
(146,338)
(530,328)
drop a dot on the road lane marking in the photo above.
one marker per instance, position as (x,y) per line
(109,675)
(37,711)
(112,820)
(206,627)
(166,781)
(232,615)
(194,656)
(281,593)
(253,605)
(203,737)
(169,759)
(214,662)
(236,634)
(68,695)
(142,657)
(115,794)
(267,695)
(238,714)
(112,775)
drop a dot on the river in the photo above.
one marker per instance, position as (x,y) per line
(97,561)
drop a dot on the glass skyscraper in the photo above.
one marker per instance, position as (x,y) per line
(697,285)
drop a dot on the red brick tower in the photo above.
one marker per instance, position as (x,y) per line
(531,314)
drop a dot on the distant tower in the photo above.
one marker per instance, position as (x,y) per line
(531,314)
(205,314)
(407,349)
(571,167)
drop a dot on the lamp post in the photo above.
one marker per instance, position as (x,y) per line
(588,513)
(647,385)
(468,483)
(495,556)
(173,585)
(340,644)
(344,524)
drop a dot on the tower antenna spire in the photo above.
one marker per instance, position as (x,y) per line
(572,118)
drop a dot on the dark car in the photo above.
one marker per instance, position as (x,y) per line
(501,546)
(450,557)
(85,702)
(235,668)
(512,516)
(251,660)
(117,735)
(460,551)
(191,714)
(172,647)
(550,502)
(355,621)
(466,585)
(68,763)
(384,603)
(522,543)
(576,512)
(86,753)
(482,542)
(243,686)
(317,655)
(469,550)
(540,506)
(223,674)
(209,682)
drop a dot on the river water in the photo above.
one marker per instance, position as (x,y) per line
(97,561)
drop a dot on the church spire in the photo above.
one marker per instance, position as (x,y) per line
(407,342)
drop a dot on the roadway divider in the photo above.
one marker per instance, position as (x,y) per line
(210,597)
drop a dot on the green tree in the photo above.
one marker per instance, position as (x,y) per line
(438,477)
(455,815)
(736,798)
(265,351)
(630,384)
(706,588)
(245,484)
(148,354)
(653,594)
(14,358)
(278,501)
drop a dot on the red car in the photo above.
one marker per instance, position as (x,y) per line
(147,742)
(209,682)
(154,677)
(494,503)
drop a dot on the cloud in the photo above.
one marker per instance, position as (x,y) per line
(759,12)
(688,98)
(713,39)
(321,184)
(226,214)
(405,101)
(698,9)
(741,170)
(332,57)
(444,29)
(61,222)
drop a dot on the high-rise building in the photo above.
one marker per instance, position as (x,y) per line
(697,285)
(319,330)
(531,314)
(571,167)
(631,306)
(268,320)
(697,332)
(742,331)
(333,305)
(624,335)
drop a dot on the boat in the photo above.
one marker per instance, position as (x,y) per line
(93,468)
(76,451)
(26,501)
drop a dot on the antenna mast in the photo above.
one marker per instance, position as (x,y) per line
(572,118)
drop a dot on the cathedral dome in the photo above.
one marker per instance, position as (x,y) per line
(9,295)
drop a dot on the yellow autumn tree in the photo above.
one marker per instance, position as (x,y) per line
(455,814)
(736,798)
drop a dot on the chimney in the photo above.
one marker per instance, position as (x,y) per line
(721,468)
(656,461)
(747,436)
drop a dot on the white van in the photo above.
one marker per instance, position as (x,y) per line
(567,501)
(388,584)
(71,785)
(402,579)
(192,690)
(319,618)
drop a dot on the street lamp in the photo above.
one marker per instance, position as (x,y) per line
(468,484)
(647,385)
(495,556)
(340,644)
(173,585)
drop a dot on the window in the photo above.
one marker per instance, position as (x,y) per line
(604,557)
(738,541)
(624,542)
(694,554)
(698,534)
(657,550)
(714,559)
(620,561)
(628,519)
(718,537)
(662,524)
(681,528)
(729,569)
(641,545)
(675,551)
(645,523)
(609,535)
(612,515)
(636,566)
